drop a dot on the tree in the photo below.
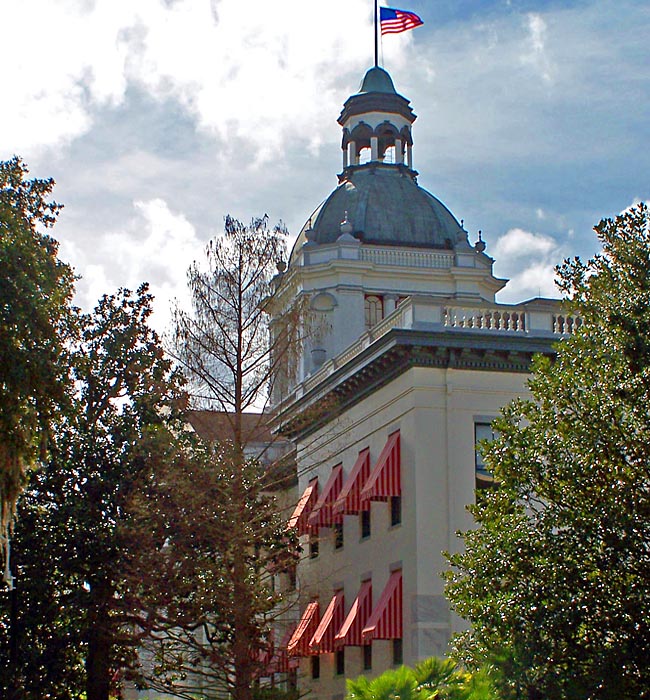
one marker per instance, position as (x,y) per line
(555,581)
(35,293)
(224,347)
(431,679)
(79,617)
(194,550)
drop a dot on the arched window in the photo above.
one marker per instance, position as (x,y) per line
(374,309)
(364,155)
(389,155)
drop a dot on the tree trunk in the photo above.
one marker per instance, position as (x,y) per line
(98,667)
(15,689)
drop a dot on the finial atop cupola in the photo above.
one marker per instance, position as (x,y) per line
(480,244)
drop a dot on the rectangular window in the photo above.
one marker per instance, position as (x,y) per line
(374,309)
(340,662)
(483,478)
(313,546)
(395,510)
(365,524)
(367,657)
(315,667)
(398,652)
(338,535)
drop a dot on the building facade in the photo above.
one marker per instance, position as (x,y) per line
(408,359)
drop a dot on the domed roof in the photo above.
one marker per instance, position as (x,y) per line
(377,80)
(385,206)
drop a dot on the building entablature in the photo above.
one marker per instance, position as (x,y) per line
(370,267)
(423,331)
(349,248)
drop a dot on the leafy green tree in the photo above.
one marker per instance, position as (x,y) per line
(191,531)
(555,581)
(79,622)
(35,293)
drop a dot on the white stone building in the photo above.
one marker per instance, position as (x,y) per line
(409,359)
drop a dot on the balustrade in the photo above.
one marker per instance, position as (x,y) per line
(501,318)
(407,258)
(485,318)
(566,323)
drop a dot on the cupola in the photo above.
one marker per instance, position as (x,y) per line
(376,124)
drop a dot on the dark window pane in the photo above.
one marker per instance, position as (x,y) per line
(365,523)
(395,510)
(367,657)
(338,535)
(313,546)
(483,478)
(315,667)
(398,652)
(340,662)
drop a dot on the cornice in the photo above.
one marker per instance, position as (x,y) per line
(395,353)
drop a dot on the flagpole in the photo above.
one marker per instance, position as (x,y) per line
(376,42)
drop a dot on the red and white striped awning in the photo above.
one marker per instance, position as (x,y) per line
(385,479)
(299,643)
(350,631)
(349,499)
(323,640)
(300,516)
(281,662)
(322,515)
(386,619)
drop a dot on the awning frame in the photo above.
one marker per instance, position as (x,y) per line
(350,632)
(300,517)
(299,643)
(322,514)
(322,642)
(386,619)
(385,480)
(349,498)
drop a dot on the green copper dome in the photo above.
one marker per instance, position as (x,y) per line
(385,206)
(377,80)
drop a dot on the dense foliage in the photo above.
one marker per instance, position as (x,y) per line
(75,619)
(35,292)
(431,679)
(555,581)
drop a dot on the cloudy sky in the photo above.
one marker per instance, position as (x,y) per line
(158,117)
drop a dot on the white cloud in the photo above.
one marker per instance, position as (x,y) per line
(157,245)
(517,243)
(635,203)
(528,260)
(536,54)
(185,103)
(263,72)
(534,280)
(68,59)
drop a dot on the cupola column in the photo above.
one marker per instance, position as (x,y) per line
(399,158)
(374,148)
(409,155)
(353,158)
(345,157)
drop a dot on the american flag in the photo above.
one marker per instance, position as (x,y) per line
(395,21)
